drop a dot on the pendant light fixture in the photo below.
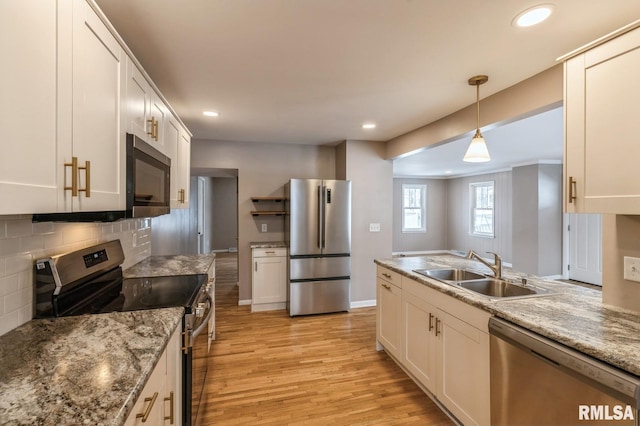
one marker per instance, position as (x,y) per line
(477,151)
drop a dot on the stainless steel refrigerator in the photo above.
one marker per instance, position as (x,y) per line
(318,230)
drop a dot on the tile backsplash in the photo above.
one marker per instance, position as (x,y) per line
(22,242)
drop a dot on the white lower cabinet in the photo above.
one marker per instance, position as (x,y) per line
(443,344)
(269,279)
(388,319)
(160,402)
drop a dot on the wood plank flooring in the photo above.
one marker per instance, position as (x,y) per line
(266,368)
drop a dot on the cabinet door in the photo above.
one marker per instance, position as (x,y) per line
(172,141)
(148,408)
(389,317)
(602,126)
(211,328)
(98,76)
(184,166)
(420,342)
(159,114)
(138,102)
(172,402)
(463,374)
(269,280)
(28,169)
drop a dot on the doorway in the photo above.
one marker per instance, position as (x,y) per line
(585,248)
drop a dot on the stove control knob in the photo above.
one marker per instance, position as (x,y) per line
(200,310)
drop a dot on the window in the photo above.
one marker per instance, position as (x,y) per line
(414,202)
(481,194)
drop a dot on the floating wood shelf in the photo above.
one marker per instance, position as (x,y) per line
(268,213)
(274,199)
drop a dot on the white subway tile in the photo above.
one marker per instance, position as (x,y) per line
(19,228)
(40,228)
(32,243)
(23,262)
(12,301)
(9,321)
(9,247)
(9,284)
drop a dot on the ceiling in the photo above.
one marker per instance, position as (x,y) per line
(313,71)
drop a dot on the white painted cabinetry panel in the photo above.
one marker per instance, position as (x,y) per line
(269,279)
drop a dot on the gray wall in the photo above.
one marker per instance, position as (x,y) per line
(537,219)
(458,216)
(263,169)
(223,220)
(372,186)
(436,236)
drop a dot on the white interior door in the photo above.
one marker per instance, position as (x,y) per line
(585,248)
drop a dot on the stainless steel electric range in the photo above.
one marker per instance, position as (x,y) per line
(89,281)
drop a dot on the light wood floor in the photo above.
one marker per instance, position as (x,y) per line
(268,368)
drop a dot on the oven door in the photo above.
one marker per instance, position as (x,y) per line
(196,361)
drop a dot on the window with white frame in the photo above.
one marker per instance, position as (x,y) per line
(414,208)
(482,209)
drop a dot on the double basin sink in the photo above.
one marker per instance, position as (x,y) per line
(494,288)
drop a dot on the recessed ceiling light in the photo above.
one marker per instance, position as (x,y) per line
(210,113)
(447,172)
(533,15)
(368,126)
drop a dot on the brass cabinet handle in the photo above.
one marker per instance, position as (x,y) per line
(155,130)
(386,275)
(181,195)
(270,252)
(430,321)
(385,286)
(146,413)
(170,399)
(87,176)
(572,189)
(256,267)
(152,127)
(437,327)
(74,176)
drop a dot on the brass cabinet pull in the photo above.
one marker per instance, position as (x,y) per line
(155,131)
(152,126)
(572,189)
(386,275)
(74,176)
(146,413)
(430,321)
(170,399)
(437,327)
(256,267)
(87,177)
(385,286)
(181,195)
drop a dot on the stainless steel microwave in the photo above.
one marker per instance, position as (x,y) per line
(148,179)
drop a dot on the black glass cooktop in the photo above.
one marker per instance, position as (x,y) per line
(137,293)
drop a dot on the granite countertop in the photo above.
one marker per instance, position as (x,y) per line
(86,369)
(268,244)
(573,315)
(160,266)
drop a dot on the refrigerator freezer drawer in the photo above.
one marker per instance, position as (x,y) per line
(319,297)
(319,267)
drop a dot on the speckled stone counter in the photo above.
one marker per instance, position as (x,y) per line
(161,266)
(573,315)
(84,370)
(268,244)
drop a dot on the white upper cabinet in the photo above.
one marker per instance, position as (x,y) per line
(28,170)
(602,127)
(70,97)
(98,74)
(146,112)
(178,148)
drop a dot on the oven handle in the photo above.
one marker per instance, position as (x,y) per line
(192,334)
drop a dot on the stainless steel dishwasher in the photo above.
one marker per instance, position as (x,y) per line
(536,381)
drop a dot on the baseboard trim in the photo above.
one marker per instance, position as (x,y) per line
(244,302)
(363,304)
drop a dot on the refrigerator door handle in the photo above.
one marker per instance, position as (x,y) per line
(324,214)
(319,224)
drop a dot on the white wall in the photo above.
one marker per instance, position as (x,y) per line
(436,236)
(23,242)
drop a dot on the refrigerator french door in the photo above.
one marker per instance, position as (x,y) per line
(319,235)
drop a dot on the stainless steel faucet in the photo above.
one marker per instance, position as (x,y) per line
(496,268)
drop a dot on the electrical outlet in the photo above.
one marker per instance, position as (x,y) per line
(374,227)
(632,268)
(264,227)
